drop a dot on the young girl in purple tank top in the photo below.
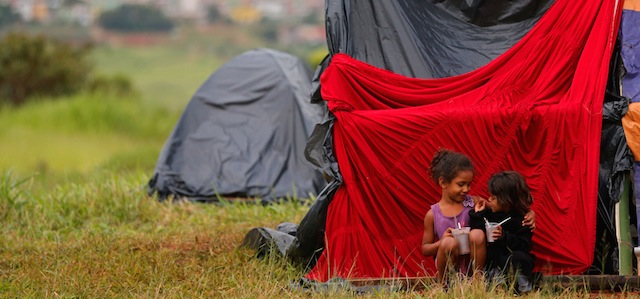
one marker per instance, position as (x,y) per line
(453,172)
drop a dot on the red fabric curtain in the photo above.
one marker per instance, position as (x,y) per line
(536,109)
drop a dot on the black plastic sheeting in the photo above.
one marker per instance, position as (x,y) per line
(616,162)
(243,134)
(305,244)
(436,39)
(282,237)
(426,39)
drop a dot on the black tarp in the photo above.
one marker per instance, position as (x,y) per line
(616,162)
(243,134)
(426,39)
(437,39)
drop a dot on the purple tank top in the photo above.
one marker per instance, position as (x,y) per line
(441,222)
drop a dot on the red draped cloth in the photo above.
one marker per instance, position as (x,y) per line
(536,109)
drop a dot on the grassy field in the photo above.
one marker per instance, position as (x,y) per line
(166,76)
(75,219)
(104,237)
(83,133)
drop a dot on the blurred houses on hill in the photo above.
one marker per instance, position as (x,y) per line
(85,12)
(45,10)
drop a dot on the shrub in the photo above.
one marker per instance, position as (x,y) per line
(118,85)
(36,66)
(215,16)
(135,18)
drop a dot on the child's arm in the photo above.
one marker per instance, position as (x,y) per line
(476,219)
(479,200)
(476,216)
(429,248)
(517,239)
(530,220)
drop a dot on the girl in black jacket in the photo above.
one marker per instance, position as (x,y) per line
(510,254)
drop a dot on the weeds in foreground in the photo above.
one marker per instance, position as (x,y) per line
(105,237)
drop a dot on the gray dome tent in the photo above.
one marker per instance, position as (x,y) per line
(243,134)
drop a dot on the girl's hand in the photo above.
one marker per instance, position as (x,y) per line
(480,203)
(497,233)
(447,233)
(530,220)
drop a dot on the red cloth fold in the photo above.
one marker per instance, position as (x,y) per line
(536,109)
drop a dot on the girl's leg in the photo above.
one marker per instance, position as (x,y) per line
(478,243)
(519,264)
(446,257)
(523,264)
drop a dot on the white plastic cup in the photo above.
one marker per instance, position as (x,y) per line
(489,228)
(462,236)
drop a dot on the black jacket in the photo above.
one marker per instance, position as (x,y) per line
(515,237)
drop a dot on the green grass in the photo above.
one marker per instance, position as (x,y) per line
(78,134)
(105,238)
(92,114)
(165,76)
(168,74)
(81,133)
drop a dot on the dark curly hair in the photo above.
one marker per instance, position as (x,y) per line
(511,191)
(447,163)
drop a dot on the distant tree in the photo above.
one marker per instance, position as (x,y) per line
(70,3)
(36,66)
(8,17)
(215,16)
(117,85)
(313,18)
(135,18)
(268,29)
